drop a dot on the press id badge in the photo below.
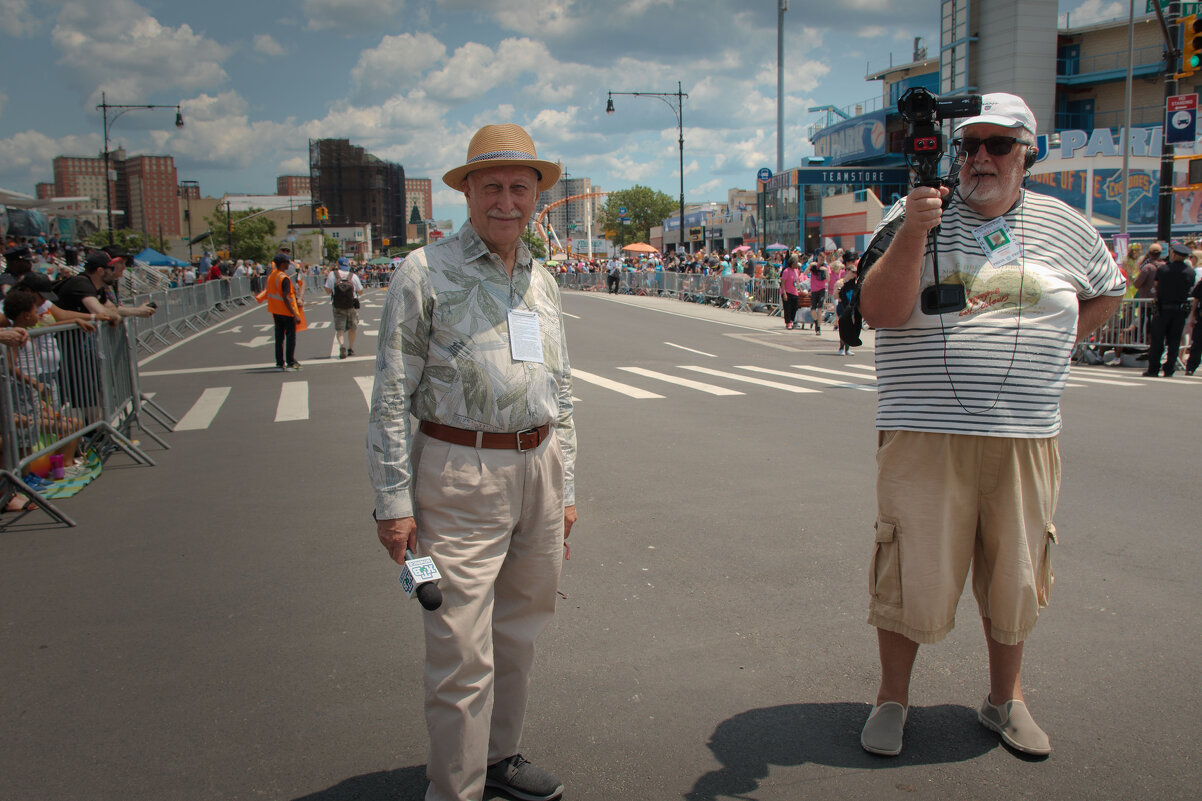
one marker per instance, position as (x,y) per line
(525,340)
(997,242)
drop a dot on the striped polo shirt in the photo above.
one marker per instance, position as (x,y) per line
(997,367)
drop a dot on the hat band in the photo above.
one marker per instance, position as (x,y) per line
(501,154)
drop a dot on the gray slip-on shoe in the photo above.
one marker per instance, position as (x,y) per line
(882,732)
(1013,721)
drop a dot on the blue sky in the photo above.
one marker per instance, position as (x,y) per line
(411,80)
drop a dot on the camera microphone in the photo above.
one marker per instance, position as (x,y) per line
(419,577)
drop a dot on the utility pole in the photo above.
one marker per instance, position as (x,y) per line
(1172,54)
(782,7)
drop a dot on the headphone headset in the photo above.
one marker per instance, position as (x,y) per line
(1031,157)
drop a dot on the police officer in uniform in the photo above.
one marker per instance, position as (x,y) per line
(1169,310)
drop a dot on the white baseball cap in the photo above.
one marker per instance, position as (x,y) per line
(999,108)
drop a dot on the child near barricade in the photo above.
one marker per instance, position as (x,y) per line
(34,368)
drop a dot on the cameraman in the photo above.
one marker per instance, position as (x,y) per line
(968,412)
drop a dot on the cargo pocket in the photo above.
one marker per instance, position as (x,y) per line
(884,578)
(1045,577)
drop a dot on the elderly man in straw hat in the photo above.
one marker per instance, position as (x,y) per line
(472,345)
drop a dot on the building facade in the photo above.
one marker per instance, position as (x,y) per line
(292,185)
(570,219)
(357,189)
(1073,79)
(419,194)
(148,192)
(143,190)
(81,176)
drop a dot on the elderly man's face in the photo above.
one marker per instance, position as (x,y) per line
(992,184)
(500,201)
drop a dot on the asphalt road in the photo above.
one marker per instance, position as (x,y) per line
(226,626)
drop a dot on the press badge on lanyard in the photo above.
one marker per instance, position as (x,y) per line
(997,242)
(525,341)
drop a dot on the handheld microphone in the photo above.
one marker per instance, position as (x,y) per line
(419,578)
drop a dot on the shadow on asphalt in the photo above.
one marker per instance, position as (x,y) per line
(403,784)
(829,734)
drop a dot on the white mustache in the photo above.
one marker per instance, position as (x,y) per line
(498,216)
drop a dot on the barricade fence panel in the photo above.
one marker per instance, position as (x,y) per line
(187,310)
(1127,329)
(65,384)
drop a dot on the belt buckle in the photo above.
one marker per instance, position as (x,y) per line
(529,431)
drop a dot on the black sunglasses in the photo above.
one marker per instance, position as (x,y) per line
(994,145)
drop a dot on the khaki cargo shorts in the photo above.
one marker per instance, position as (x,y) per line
(346,319)
(945,501)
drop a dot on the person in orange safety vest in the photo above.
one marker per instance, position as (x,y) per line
(287,309)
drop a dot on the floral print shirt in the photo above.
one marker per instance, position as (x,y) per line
(444,356)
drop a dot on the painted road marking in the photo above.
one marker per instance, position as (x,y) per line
(625,389)
(294,402)
(201,415)
(684,382)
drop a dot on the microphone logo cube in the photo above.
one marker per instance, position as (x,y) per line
(417,572)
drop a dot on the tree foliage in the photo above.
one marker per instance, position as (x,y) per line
(645,208)
(252,236)
(538,248)
(333,249)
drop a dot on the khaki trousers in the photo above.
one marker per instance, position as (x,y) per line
(493,522)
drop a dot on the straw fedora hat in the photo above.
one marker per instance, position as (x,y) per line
(501,145)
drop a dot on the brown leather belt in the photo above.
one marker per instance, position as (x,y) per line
(517,441)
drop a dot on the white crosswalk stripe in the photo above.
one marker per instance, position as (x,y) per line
(746,379)
(830,382)
(365,383)
(616,386)
(294,402)
(684,382)
(826,370)
(201,415)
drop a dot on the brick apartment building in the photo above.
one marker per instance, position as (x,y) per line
(146,189)
(292,185)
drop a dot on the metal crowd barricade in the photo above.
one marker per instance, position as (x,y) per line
(64,387)
(736,291)
(1127,330)
(187,310)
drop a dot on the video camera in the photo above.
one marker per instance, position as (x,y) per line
(924,141)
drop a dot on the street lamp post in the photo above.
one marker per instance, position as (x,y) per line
(104,108)
(187,187)
(678,109)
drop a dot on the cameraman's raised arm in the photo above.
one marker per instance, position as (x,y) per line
(891,287)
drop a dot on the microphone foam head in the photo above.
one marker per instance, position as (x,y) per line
(429,596)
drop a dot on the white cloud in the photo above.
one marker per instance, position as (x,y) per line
(1092,11)
(16,18)
(31,152)
(219,134)
(297,165)
(398,61)
(475,69)
(266,45)
(352,16)
(116,44)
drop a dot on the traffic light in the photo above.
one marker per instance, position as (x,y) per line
(1191,44)
(323,213)
(1194,176)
